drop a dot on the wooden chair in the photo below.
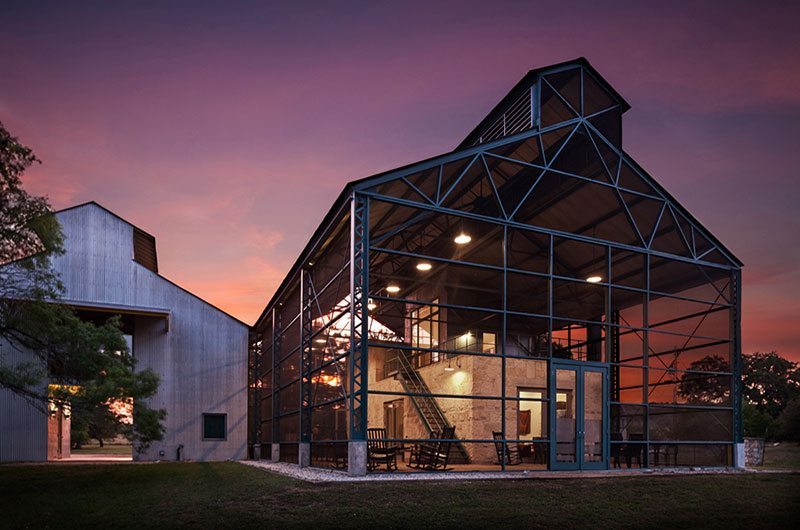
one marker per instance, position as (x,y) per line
(434,456)
(512,450)
(416,450)
(634,451)
(378,450)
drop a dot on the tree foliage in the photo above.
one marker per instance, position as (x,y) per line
(770,381)
(68,360)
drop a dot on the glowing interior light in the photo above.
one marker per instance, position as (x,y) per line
(393,289)
(424,266)
(321,341)
(594,279)
(462,239)
(371,305)
(449,369)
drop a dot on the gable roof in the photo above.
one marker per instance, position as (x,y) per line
(465,149)
(160,276)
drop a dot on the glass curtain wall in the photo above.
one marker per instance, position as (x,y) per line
(483,272)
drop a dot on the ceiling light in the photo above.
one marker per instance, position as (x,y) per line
(424,266)
(392,289)
(321,341)
(462,239)
(371,305)
(594,279)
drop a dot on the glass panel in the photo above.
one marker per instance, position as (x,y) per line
(566,419)
(690,280)
(674,387)
(451,171)
(426,181)
(595,98)
(568,85)
(553,140)
(593,382)
(627,384)
(662,454)
(399,189)
(526,336)
(578,206)
(553,109)
(627,308)
(513,181)
(289,431)
(627,346)
(627,436)
(579,157)
(528,150)
(581,342)
(329,422)
(689,353)
(676,315)
(668,237)
(450,283)
(528,251)
(630,179)
(644,211)
(527,293)
(683,424)
(474,192)
(580,260)
(435,234)
(609,124)
(289,452)
(628,268)
(329,454)
(579,300)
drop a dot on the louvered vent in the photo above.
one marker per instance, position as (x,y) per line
(516,118)
(144,250)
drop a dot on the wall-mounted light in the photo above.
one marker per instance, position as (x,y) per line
(462,239)
(392,289)
(594,279)
(424,266)
(449,367)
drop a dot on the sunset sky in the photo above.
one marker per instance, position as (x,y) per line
(228,132)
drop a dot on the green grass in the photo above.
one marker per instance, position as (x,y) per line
(784,456)
(95,449)
(233,495)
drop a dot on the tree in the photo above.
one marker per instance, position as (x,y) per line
(789,421)
(70,362)
(704,387)
(770,381)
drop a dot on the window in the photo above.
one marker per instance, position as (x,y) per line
(393,418)
(425,333)
(214,426)
(531,415)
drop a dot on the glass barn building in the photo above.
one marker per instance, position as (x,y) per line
(532,300)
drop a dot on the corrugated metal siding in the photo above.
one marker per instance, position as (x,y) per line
(23,428)
(202,359)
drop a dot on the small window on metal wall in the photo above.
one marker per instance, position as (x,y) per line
(215,426)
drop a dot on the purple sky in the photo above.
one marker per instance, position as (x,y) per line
(227,133)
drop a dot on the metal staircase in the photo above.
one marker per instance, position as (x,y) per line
(432,416)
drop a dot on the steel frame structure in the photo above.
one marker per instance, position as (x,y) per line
(427,189)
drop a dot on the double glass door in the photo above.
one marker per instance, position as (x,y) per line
(579,393)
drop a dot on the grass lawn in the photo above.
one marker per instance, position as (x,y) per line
(233,495)
(784,456)
(107,449)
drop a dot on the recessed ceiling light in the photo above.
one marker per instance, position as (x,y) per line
(594,279)
(424,266)
(462,239)
(392,289)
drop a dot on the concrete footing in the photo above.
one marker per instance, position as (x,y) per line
(357,458)
(256,451)
(276,452)
(739,461)
(304,454)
